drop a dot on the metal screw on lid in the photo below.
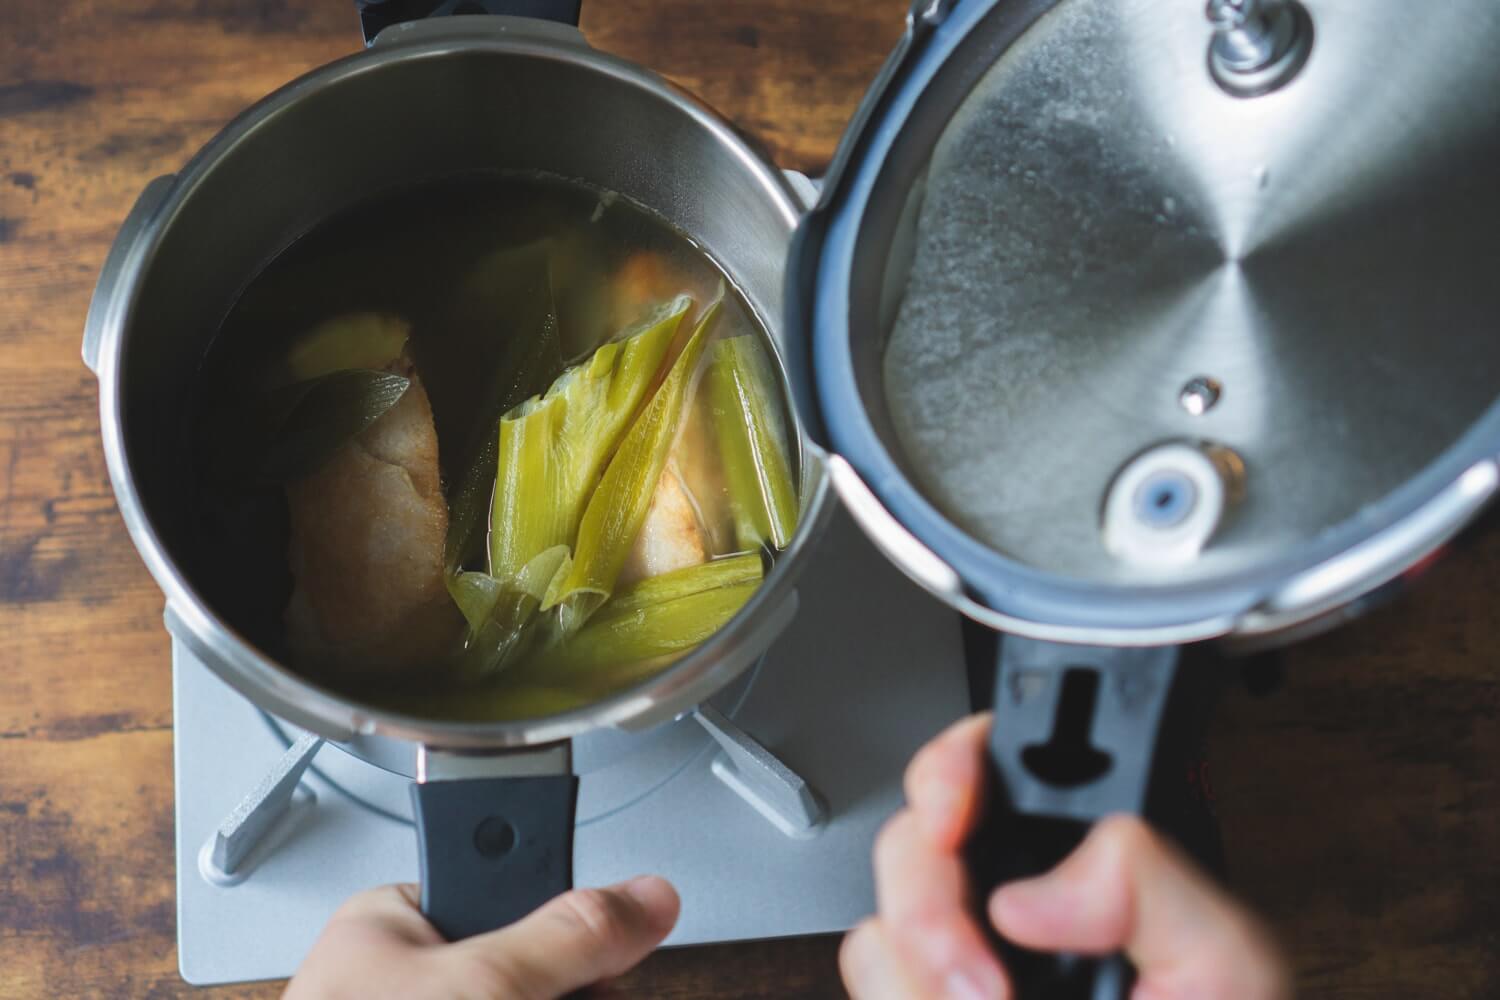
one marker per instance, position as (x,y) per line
(1200,394)
(1258,45)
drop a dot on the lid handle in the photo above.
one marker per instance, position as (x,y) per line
(377,15)
(1080,733)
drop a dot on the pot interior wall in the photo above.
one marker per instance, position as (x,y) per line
(387,120)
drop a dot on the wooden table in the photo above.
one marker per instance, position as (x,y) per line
(1360,801)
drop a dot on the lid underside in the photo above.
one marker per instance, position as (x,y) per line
(1113,255)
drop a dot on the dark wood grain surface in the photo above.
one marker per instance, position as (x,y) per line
(1360,801)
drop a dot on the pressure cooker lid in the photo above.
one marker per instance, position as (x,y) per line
(1142,297)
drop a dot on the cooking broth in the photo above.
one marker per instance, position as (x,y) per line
(398,328)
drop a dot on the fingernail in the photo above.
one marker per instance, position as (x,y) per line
(964,977)
(961,985)
(862,961)
(1044,899)
(1018,897)
(1018,890)
(939,809)
(653,893)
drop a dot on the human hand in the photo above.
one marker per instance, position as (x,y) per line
(1123,889)
(379,945)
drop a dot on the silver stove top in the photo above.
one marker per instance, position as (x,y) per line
(869,670)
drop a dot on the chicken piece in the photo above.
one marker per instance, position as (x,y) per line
(647,278)
(642,280)
(672,536)
(367,550)
(695,457)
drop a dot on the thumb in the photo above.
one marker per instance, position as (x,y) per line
(578,938)
(1127,889)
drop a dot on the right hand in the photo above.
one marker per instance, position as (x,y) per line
(1124,889)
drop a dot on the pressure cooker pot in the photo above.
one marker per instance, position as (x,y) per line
(427,100)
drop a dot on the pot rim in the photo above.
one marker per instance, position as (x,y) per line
(262,679)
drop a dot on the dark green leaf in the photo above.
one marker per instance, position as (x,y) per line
(509,295)
(319,416)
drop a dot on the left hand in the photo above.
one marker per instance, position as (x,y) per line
(379,945)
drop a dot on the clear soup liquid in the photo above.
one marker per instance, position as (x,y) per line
(411,254)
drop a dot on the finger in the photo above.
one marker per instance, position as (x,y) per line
(1125,888)
(945,781)
(577,939)
(872,968)
(925,906)
(390,909)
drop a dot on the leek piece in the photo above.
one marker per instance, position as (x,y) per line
(525,369)
(352,340)
(752,438)
(476,593)
(468,704)
(636,635)
(579,280)
(500,313)
(618,507)
(553,447)
(726,571)
(614,638)
(319,416)
(664,629)
(501,612)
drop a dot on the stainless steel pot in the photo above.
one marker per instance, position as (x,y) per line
(428,99)
(1134,328)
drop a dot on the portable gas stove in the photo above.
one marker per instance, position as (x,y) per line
(761,807)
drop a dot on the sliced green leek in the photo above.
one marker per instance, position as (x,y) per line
(660,630)
(614,514)
(579,281)
(511,302)
(525,368)
(752,438)
(727,571)
(552,448)
(618,636)
(352,340)
(476,593)
(468,704)
(501,612)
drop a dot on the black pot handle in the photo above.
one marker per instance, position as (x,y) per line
(492,849)
(1080,732)
(377,15)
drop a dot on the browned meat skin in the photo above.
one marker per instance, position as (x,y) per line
(671,537)
(367,550)
(695,457)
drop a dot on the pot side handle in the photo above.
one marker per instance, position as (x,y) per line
(493,846)
(1080,733)
(377,15)
(141,213)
